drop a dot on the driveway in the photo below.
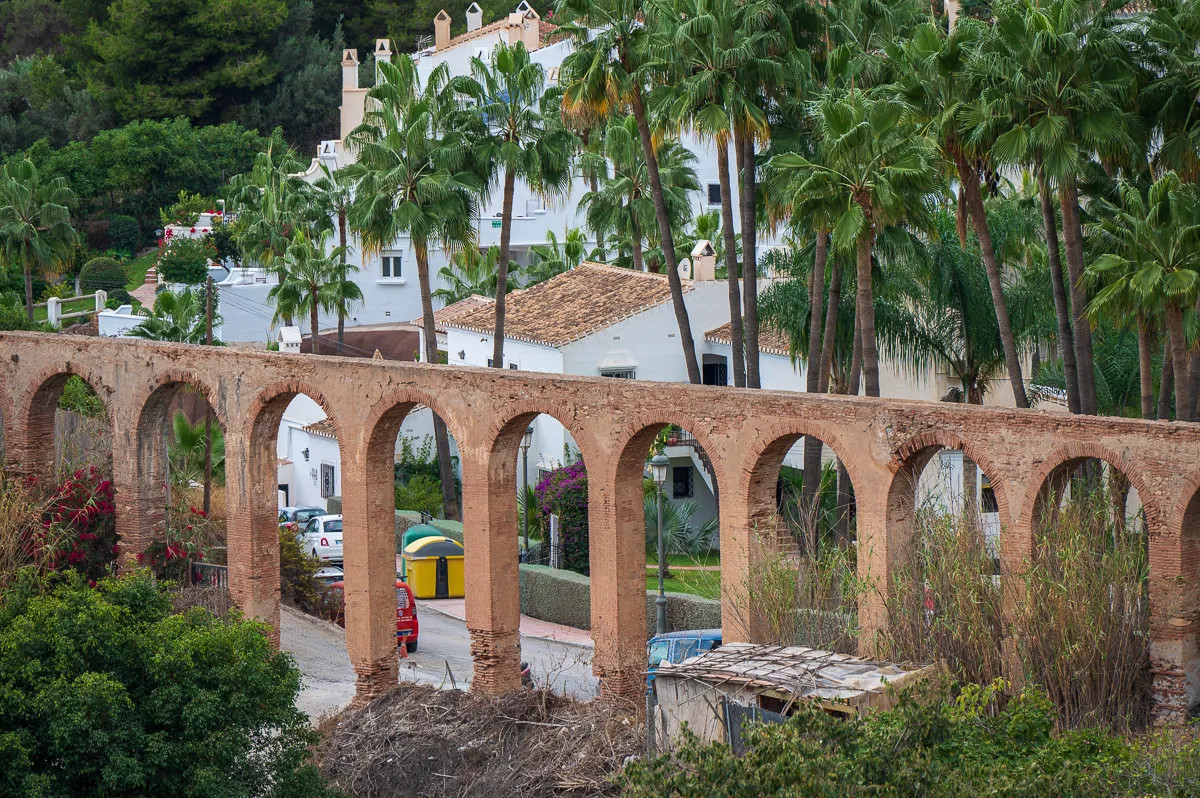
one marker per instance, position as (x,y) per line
(443,659)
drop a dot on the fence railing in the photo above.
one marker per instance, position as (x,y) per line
(208,575)
(55,315)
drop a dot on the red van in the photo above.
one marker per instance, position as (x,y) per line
(406,614)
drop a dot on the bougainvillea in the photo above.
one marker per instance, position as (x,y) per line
(171,557)
(84,506)
(563,492)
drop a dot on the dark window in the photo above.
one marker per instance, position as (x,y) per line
(621,374)
(716,374)
(327,481)
(304,515)
(333,526)
(714,193)
(491,363)
(512,366)
(391,266)
(987,497)
(681,482)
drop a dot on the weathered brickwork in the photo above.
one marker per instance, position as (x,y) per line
(883,443)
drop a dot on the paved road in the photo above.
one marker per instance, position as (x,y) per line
(443,659)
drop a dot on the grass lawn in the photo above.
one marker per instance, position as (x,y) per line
(709,558)
(706,584)
(137,268)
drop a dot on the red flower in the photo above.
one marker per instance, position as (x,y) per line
(193,230)
(75,556)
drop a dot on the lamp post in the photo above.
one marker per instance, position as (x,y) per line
(658,470)
(526,442)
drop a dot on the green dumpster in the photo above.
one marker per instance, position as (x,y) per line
(415,533)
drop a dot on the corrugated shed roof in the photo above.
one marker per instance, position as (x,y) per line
(572,305)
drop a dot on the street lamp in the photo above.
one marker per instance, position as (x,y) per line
(526,442)
(658,472)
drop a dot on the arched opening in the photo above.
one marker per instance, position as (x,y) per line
(802,586)
(180,528)
(1176,644)
(1083,605)
(540,500)
(943,596)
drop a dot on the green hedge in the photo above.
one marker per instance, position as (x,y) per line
(104,274)
(564,597)
(406,519)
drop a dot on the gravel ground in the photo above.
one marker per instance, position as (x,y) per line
(443,659)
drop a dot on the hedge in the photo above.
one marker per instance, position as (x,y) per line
(564,597)
(123,233)
(406,519)
(104,274)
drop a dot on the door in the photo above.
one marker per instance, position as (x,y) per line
(442,582)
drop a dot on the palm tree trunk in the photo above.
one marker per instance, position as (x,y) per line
(866,313)
(314,323)
(974,199)
(812,445)
(831,324)
(1062,312)
(1194,376)
(1183,399)
(440,438)
(28,290)
(1073,237)
(750,259)
(856,362)
(638,261)
(842,525)
(667,237)
(1145,368)
(738,354)
(342,302)
(510,182)
(1166,381)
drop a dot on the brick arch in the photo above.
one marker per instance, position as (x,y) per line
(48,379)
(395,406)
(156,395)
(1083,450)
(770,443)
(33,420)
(270,398)
(911,457)
(505,420)
(640,426)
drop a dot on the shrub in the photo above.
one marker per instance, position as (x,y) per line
(961,747)
(25,539)
(123,232)
(563,492)
(186,209)
(184,260)
(84,505)
(298,583)
(60,291)
(106,692)
(421,494)
(118,297)
(103,274)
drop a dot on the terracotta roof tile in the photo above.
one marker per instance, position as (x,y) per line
(572,305)
(455,311)
(770,340)
(323,428)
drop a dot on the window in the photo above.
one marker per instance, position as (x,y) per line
(716,374)
(491,363)
(987,497)
(658,652)
(513,366)
(327,481)
(620,374)
(391,267)
(333,526)
(681,482)
(714,193)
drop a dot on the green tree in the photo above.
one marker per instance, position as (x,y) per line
(554,258)
(333,194)
(514,140)
(472,273)
(178,317)
(606,74)
(192,58)
(187,450)
(108,693)
(272,204)
(882,172)
(35,222)
(413,177)
(308,285)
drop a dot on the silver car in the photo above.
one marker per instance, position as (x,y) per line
(322,537)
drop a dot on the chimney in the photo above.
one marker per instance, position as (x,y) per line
(474,17)
(531,30)
(349,69)
(383,51)
(441,30)
(704,261)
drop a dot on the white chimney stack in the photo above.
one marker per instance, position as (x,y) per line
(383,51)
(349,69)
(474,17)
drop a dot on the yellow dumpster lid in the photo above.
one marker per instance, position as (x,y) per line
(434,546)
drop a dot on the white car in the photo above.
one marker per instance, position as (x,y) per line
(322,537)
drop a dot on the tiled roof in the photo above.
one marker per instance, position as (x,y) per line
(572,305)
(770,340)
(454,312)
(545,30)
(322,428)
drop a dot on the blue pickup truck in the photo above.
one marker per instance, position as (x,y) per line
(678,646)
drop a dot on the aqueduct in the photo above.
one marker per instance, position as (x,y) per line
(746,433)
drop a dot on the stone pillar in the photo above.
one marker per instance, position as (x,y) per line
(881,545)
(617,552)
(252,529)
(369,548)
(140,484)
(493,600)
(29,438)
(740,550)
(1174,655)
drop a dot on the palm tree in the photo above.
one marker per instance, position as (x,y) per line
(606,74)
(35,221)
(1054,76)
(881,170)
(271,201)
(308,285)
(624,204)
(190,447)
(553,258)
(935,82)
(514,140)
(472,273)
(178,317)
(1151,255)
(413,177)
(333,193)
